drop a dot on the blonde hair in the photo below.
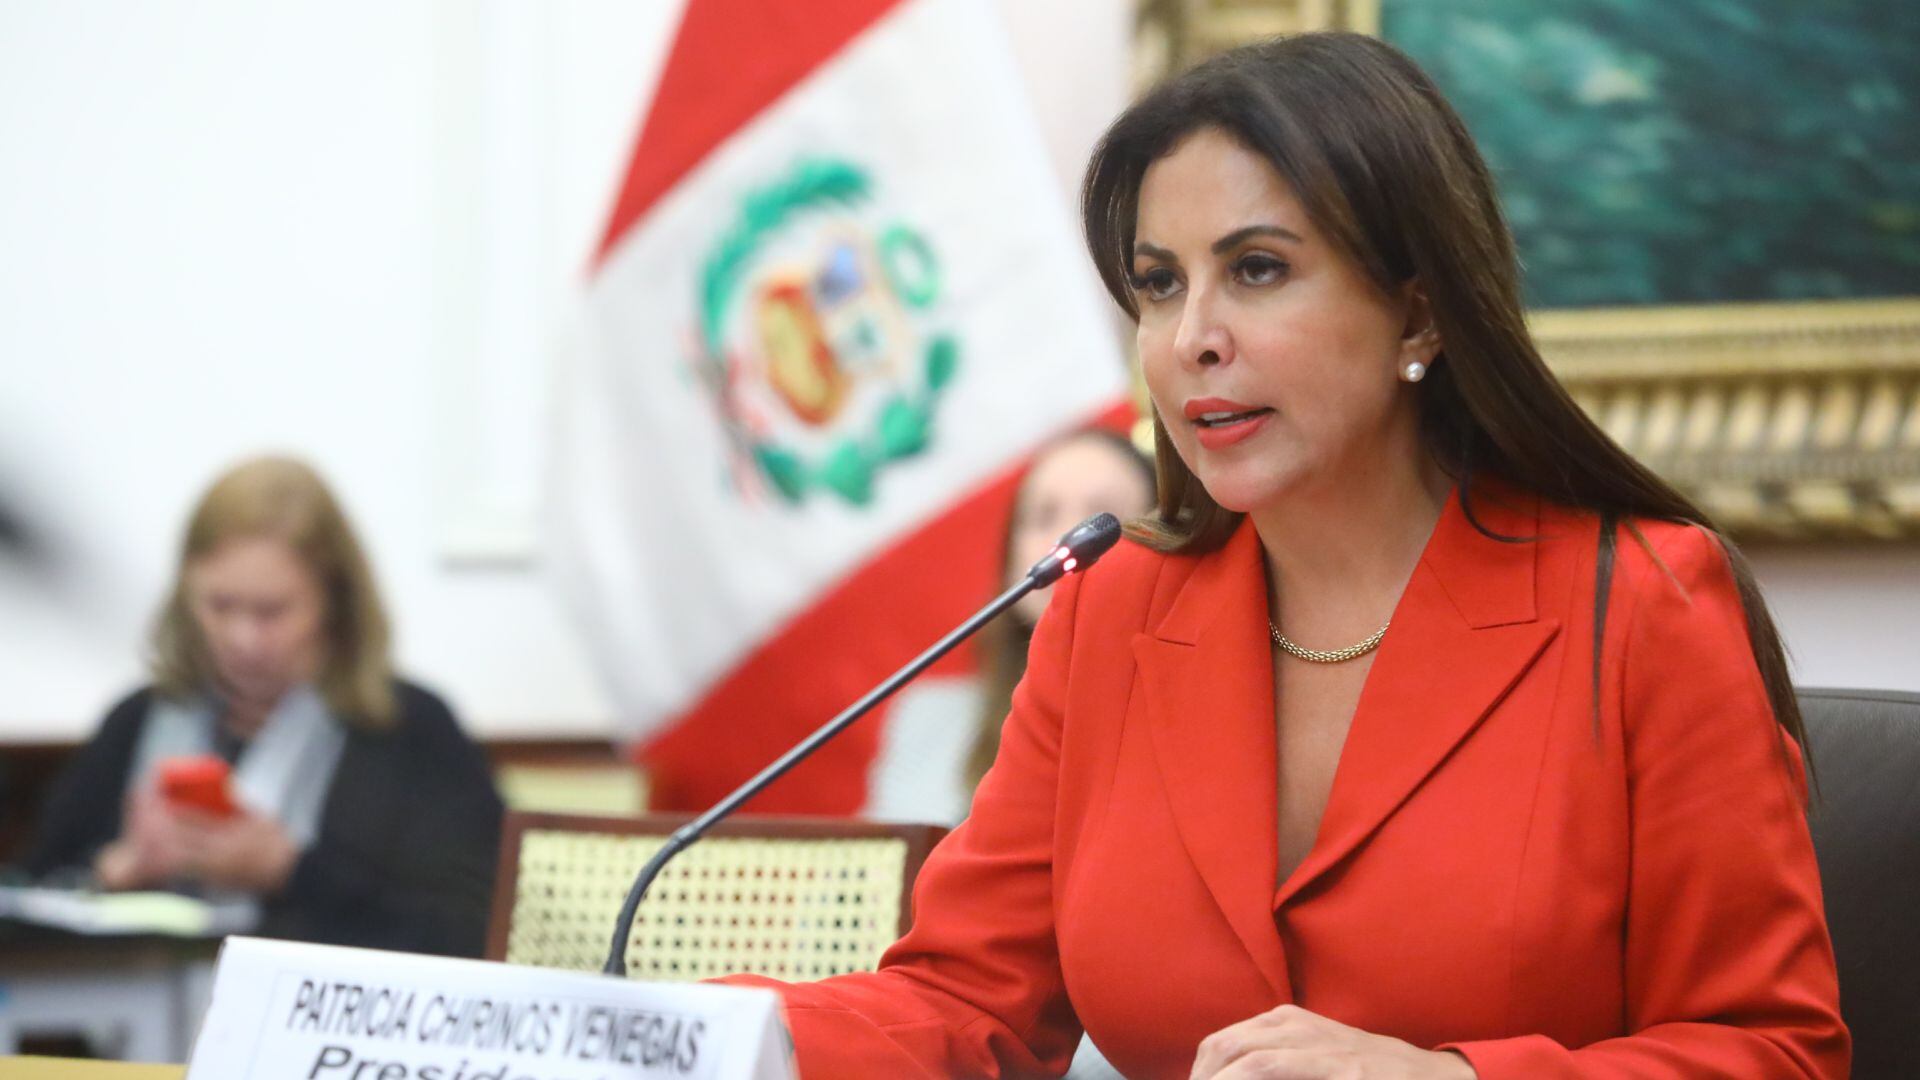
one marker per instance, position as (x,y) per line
(283,499)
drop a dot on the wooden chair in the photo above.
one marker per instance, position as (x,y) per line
(795,899)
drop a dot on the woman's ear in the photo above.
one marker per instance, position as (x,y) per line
(1419,337)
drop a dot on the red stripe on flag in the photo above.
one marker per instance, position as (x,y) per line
(730,59)
(856,634)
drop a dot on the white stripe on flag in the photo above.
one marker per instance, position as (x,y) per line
(678,574)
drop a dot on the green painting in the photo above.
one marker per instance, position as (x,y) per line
(1691,151)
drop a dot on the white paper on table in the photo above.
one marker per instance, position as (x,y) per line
(84,912)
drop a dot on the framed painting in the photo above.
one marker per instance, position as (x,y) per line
(1717,206)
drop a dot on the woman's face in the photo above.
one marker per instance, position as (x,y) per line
(1068,483)
(261,612)
(1271,357)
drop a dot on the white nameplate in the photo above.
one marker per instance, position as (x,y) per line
(318,1012)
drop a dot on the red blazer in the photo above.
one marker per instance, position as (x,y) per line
(1500,870)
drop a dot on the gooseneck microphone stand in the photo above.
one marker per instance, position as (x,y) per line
(1077,549)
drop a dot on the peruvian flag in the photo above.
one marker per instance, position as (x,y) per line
(839,301)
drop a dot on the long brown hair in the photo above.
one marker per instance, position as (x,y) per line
(1387,170)
(284,499)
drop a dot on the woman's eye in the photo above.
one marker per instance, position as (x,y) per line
(1259,270)
(1156,284)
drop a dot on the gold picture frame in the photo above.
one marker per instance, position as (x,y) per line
(1784,420)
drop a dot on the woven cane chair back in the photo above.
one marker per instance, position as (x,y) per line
(793,899)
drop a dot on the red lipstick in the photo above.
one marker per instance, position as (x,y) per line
(1219,423)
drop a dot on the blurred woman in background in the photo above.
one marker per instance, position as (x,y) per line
(930,757)
(351,809)
(1071,479)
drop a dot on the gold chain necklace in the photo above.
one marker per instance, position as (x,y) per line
(1327,656)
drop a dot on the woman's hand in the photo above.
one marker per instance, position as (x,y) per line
(162,843)
(246,852)
(151,849)
(1290,1043)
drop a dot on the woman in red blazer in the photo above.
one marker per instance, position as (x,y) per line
(1423,733)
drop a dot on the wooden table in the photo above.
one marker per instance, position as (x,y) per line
(43,1068)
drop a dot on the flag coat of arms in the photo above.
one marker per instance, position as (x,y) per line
(839,300)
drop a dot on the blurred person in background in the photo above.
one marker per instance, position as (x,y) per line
(350,808)
(1070,480)
(930,755)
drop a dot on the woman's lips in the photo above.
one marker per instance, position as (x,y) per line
(1220,434)
(1220,422)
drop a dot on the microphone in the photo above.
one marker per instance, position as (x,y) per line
(1083,543)
(1076,551)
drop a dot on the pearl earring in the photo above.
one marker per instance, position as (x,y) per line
(1414,371)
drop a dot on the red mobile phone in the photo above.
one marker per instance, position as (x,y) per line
(201,781)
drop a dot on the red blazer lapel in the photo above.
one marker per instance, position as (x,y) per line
(1206,679)
(1464,632)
